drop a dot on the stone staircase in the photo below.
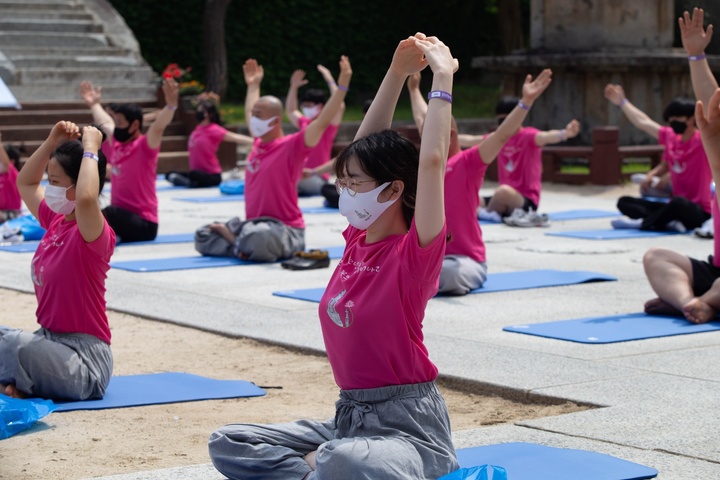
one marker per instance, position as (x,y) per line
(47,47)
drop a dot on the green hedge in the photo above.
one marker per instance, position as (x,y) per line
(284,36)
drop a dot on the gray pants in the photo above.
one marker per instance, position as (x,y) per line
(460,274)
(262,239)
(397,432)
(69,366)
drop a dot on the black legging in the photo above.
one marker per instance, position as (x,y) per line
(129,226)
(656,215)
(195,179)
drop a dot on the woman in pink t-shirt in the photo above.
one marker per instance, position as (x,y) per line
(69,357)
(391,421)
(205,169)
(10,201)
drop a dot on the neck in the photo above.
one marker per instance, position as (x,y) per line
(688,133)
(273,134)
(391,222)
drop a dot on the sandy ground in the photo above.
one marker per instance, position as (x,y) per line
(91,443)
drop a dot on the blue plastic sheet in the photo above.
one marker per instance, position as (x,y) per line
(17,414)
(29,226)
(232,187)
(482,472)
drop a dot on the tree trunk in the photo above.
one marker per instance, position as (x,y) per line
(510,25)
(214,45)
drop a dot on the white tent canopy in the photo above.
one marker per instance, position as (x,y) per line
(7,99)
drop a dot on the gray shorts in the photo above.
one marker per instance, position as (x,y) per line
(68,366)
(396,432)
(460,274)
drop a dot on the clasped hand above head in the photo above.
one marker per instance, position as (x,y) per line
(415,53)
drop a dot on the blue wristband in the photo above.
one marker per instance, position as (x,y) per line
(697,57)
(441,95)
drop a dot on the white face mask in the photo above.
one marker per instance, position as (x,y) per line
(259,127)
(363,209)
(311,112)
(56,199)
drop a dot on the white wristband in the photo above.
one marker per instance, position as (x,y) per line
(91,155)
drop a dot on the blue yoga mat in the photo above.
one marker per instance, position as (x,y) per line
(193,262)
(614,328)
(157,388)
(311,210)
(530,461)
(496,282)
(26,247)
(612,234)
(582,214)
(213,199)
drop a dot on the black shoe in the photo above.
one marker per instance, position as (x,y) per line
(308,260)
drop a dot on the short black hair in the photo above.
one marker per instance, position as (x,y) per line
(314,95)
(506,105)
(14,153)
(69,156)
(211,109)
(131,112)
(679,107)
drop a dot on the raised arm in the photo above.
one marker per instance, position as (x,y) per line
(29,178)
(327,76)
(435,140)
(297,80)
(616,95)
(531,90)
(695,40)
(238,138)
(407,59)
(708,122)
(314,131)
(417,102)
(89,217)
(92,97)
(548,137)
(253,73)
(165,116)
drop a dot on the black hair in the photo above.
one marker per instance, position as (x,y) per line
(679,107)
(131,112)
(14,153)
(211,109)
(506,105)
(69,156)
(386,156)
(314,95)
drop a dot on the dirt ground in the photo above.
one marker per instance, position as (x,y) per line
(90,443)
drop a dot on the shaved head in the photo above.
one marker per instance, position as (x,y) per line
(269,106)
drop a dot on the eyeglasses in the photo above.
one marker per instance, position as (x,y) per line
(351,184)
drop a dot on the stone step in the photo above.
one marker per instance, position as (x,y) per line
(52,25)
(169,161)
(19,50)
(9,38)
(74,61)
(23,14)
(79,105)
(71,92)
(45,5)
(25,133)
(170,144)
(138,75)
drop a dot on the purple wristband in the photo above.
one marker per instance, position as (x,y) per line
(623,102)
(441,95)
(523,106)
(697,57)
(343,88)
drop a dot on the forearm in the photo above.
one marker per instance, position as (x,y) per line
(156,130)
(34,169)
(88,183)
(251,97)
(291,103)
(314,131)
(639,119)
(703,80)
(435,139)
(419,108)
(379,116)
(326,168)
(549,137)
(102,119)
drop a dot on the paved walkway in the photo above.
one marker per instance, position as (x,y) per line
(658,399)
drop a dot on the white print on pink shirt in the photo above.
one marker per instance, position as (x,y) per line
(37,277)
(358,268)
(253,165)
(52,242)
(335,315)
(678,168)
(510,153)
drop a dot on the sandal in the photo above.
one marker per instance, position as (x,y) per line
(308,260)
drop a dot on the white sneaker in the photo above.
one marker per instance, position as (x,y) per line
(489,215)
(638,178)
(521,218)
(626,222)
(707,230)
(675,226)
(10,236)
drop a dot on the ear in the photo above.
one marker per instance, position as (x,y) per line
(393,191)
(136,124)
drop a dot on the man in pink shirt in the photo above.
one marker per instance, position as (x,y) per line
(133,209)
(519,164)
(274,226)
(312,102)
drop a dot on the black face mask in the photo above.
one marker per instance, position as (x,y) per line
(678,127)
(122,134)
(200,115)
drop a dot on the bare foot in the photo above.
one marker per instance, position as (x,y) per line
(13,392)
(697,311)
(657,306)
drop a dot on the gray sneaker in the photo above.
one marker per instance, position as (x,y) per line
(521,218)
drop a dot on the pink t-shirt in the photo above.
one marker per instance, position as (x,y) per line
(323,150)
(133,177)
(9,195)
(272,172)
(69,277)
(372,311)
(202,147)
(716,228)
(464,176)
(689,168)
(519,164)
